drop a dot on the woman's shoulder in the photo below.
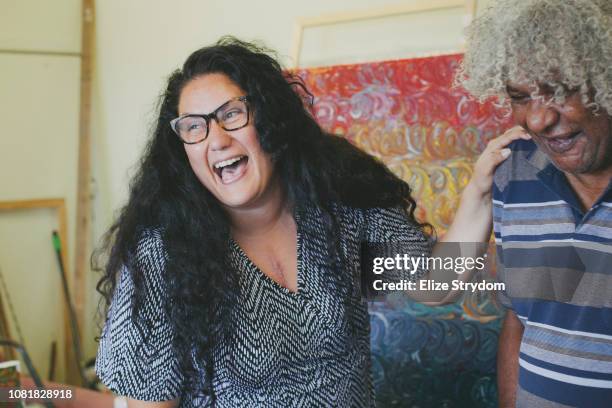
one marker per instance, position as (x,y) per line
(149,238)
(150,248)
(344,215)
(351,215)
(385,224)
(145,266)
(374,224)
(367,214)
(135,355)
(140,291)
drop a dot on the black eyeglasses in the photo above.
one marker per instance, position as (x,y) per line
(193,128)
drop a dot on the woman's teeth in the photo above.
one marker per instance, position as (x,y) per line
(231,169)
(227,162)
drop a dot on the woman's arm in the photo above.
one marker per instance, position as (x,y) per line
(469,232)
(471,227)
(136,357)
(474,217)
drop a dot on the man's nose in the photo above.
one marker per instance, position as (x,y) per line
(541,115)
(219,138)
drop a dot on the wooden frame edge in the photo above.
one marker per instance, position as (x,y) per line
(83,203)
(58,204)
(387,11)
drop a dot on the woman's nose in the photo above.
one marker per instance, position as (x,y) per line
(218,138)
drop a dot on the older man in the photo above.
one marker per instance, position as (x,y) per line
(550,62)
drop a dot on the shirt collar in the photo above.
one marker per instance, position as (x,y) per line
(555,179)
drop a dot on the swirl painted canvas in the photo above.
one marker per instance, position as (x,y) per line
(409,115)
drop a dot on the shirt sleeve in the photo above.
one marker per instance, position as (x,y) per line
(133,361)
(391,227)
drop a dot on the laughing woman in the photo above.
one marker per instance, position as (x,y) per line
(233,270)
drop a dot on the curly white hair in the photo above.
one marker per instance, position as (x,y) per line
(566,44)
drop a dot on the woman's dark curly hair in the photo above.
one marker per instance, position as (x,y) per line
(314,168)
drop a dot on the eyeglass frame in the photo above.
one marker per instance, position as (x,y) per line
(212,115)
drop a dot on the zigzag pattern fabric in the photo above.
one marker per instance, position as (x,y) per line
(310,348)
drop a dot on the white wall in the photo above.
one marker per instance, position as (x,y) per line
(39,95)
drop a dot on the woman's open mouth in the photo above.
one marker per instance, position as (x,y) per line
(232,169)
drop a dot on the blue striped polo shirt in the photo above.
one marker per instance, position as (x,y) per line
(556,263)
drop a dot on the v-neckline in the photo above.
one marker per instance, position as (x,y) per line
(298,264)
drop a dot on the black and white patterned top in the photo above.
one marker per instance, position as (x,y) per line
(303,349)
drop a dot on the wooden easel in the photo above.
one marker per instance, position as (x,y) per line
(83,205)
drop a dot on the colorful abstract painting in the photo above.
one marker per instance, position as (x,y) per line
(408,114)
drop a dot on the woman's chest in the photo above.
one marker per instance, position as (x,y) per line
(275,331)
(278,260)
